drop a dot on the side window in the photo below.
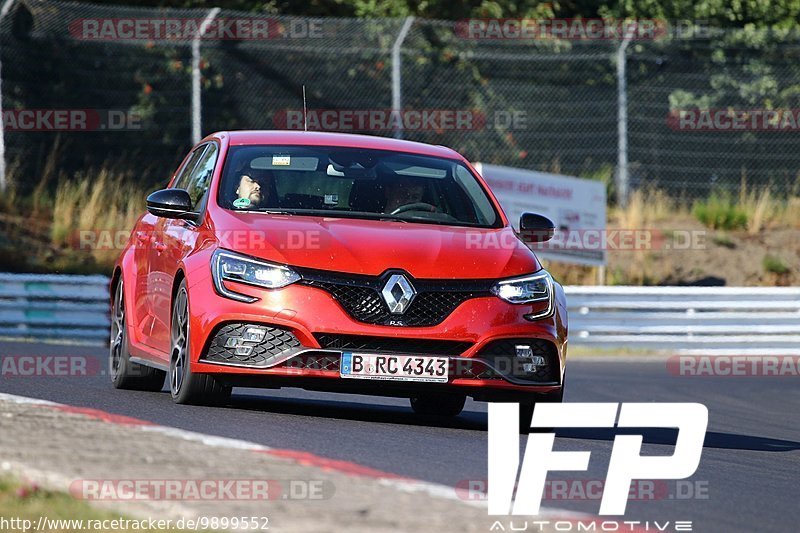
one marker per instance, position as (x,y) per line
(181,182)
(200,178)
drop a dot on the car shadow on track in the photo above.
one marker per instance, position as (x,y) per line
(714,439)
(344,410)
(476,421)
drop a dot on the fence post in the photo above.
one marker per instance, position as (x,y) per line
(196,106)
(3,182)
(622,121)
(397,75)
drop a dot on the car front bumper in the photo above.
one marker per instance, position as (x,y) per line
(301,317)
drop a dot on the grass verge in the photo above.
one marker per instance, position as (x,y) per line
(27,503)
(587,352)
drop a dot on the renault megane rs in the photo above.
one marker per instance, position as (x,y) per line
(341,263)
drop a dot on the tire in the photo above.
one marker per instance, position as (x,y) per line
(526,411)
(448,405)
(126,374)
(185,386)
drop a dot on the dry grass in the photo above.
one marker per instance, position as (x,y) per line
(755,210)
(791,213)
(763,210)
(571,274)
(645,208)
(9,199)
(100,204)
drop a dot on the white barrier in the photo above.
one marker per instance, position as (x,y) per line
(700,319)
(706,320)
(54,307)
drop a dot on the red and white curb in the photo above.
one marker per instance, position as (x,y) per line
(387,479)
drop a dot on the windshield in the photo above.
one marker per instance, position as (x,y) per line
(355,183)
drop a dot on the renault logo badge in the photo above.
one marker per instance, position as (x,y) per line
(398,294)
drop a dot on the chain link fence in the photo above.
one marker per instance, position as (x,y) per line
(700,105)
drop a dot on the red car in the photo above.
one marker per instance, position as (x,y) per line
(335,262)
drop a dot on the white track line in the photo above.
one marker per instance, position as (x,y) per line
(435,490)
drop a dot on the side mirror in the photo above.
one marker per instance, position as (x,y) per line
(171,203)
(536,228)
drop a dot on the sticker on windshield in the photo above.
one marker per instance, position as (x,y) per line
(331,199)
(241,203)
(281,160)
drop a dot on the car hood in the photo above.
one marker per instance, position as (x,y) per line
(372,247)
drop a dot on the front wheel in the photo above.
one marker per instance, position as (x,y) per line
(125,374)
(185,386)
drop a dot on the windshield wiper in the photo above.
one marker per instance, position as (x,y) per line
(333,213)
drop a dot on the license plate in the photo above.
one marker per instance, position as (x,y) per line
(393,367)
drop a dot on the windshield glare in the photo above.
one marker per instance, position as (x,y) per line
(356,183)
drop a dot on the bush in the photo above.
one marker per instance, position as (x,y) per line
(719,211)
(775,265)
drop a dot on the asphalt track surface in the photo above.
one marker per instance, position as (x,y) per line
(748,479)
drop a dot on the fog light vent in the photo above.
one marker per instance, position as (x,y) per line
(254,334)
(530,363)
(250,344)
(243,350)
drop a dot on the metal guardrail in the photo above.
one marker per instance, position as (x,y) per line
(706,320)
(702,320)
(54,307)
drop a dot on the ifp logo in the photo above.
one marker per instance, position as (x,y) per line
(626,463)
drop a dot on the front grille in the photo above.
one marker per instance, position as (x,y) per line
(361,297)
(313,361)
(391,344)
(459,368)
(276,342)
(362,303)
(502,355)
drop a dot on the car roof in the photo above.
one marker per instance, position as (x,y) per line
(349,140)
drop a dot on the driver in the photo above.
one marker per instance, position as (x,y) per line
(403,190)
(252,190)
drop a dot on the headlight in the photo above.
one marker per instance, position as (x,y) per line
(528,289)
(229,266)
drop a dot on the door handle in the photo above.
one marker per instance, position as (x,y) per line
(160,247)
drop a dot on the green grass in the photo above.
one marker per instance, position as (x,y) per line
(719,211)
(29,502)
(723,240)
(589,351)
(775,265)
